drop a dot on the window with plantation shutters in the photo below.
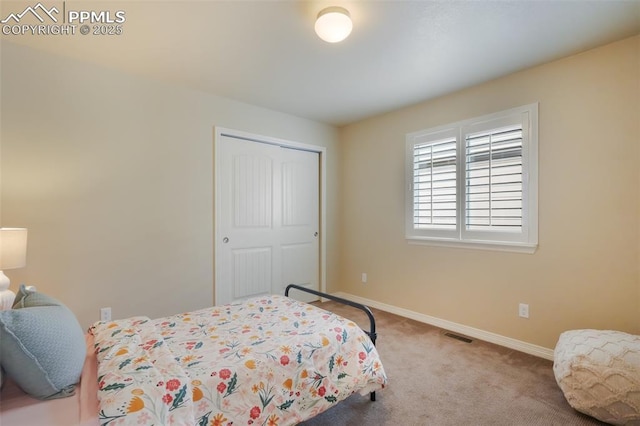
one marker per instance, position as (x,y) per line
(474,183)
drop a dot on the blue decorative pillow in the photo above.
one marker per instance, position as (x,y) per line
(43,346)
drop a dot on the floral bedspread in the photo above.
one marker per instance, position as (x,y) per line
(267,361)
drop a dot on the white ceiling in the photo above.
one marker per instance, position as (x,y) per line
(400,52)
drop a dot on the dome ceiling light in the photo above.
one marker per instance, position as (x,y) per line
(333,24)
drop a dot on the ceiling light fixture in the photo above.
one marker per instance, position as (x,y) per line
(333,24)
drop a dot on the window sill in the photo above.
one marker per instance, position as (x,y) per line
(477,245)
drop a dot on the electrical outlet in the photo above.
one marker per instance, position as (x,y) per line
(523,310)
(364,277)
(105,314)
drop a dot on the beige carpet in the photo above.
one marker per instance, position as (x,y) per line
(438,380)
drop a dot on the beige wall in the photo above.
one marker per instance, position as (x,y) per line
(585,273)
(113,176)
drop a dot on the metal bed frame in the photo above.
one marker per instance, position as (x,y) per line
(372,322)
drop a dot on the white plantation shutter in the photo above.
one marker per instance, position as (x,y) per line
(432,175)
(494,180)
(474,183)
(434,183)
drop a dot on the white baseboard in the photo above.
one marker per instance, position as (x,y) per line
(508,342)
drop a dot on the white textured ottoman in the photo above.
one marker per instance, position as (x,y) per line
(599,374)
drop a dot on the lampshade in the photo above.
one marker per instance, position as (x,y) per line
(333,24)
(13,248)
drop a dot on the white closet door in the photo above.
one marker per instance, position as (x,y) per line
(298,239)
(267,219)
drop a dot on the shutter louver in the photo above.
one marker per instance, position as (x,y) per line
(494,180)
(434,185)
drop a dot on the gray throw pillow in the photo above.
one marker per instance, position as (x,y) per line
(28,298)
(43,346)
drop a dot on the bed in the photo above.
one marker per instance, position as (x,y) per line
(270,360)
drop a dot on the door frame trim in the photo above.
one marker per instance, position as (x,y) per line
(218,132)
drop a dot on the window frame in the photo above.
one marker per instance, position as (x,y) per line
(525,241)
